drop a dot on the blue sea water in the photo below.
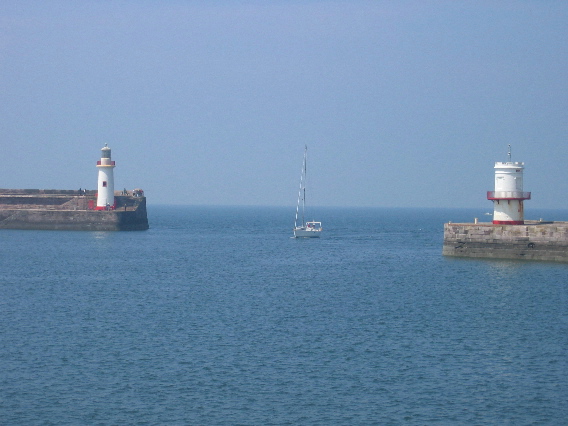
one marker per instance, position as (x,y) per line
(216,316)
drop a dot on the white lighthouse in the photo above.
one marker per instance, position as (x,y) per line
(105,197)
(508,196)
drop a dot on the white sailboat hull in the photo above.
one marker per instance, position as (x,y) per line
(311,230)
(305,233)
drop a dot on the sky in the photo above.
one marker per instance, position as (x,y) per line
(401,103)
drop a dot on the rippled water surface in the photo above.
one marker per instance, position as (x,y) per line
(217,316)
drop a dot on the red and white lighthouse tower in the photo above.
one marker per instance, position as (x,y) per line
(508,196)
(105,195)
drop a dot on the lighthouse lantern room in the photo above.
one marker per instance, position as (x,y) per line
(105,194)
(508,196)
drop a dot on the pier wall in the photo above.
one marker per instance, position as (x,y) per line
(65,210)
(546,241)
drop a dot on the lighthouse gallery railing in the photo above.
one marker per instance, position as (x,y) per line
(508,195)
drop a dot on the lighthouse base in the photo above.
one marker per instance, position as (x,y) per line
(546,241)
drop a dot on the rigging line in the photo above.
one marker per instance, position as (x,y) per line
(298,204)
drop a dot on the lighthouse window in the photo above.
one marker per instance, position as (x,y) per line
(104,183)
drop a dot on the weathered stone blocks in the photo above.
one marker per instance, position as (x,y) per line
(63,211)
(532,241)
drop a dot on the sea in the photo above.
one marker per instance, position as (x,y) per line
(216,316)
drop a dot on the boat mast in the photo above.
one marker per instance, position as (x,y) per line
(305,177)
(302,191)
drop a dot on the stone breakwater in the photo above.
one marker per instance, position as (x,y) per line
(69,210)
(546,241)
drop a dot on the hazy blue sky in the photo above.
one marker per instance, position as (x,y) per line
(401,103)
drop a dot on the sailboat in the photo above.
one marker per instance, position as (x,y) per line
(305,229)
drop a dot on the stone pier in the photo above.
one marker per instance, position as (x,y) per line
(547,241)
(70,210)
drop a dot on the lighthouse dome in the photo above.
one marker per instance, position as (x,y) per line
(105,151)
